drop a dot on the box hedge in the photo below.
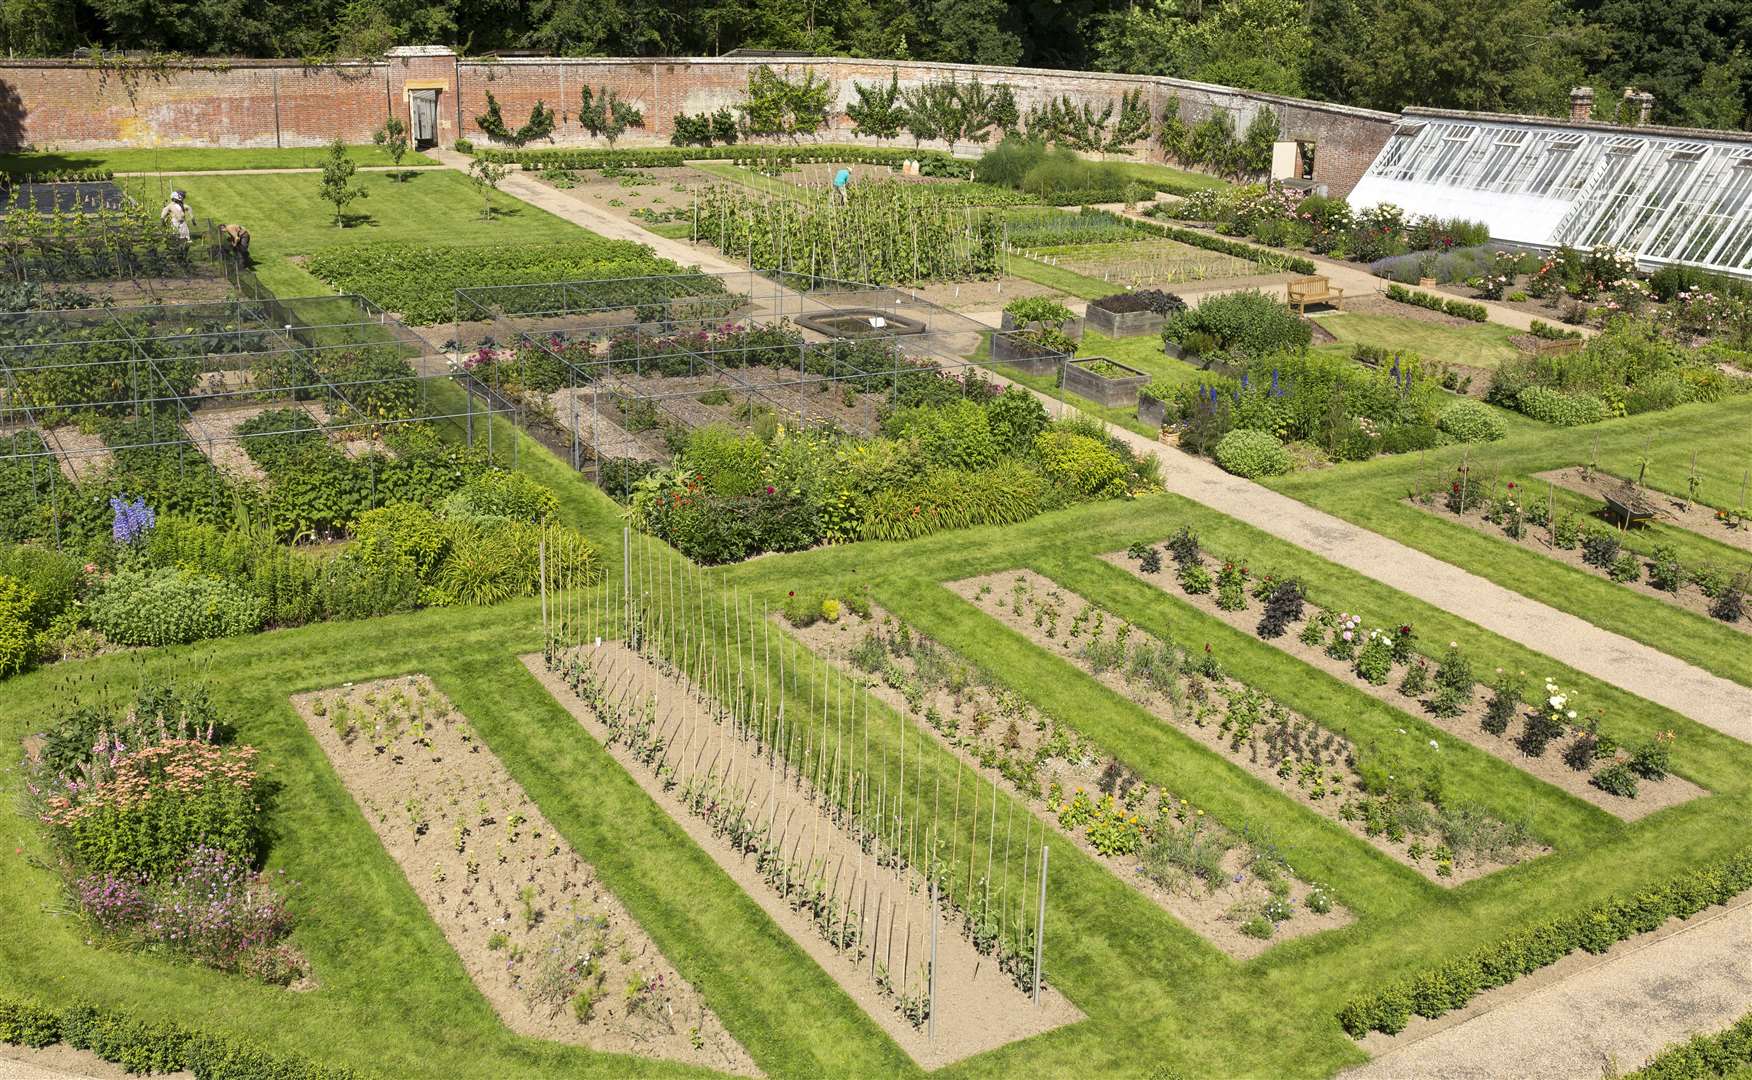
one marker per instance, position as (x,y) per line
(1594,929)
(139,1045)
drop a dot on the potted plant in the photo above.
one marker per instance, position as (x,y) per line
(1103,381)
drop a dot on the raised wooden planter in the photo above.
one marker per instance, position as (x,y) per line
(1104,389)
(1072,329)
(1152,412)
(1120,324)
(1025,355)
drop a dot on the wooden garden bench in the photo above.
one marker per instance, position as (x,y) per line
(1314,290)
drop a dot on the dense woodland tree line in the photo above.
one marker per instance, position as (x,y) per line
(1695,56)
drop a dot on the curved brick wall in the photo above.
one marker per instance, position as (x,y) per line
(70,105)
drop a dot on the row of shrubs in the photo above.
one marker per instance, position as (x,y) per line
(1447,305)
(1630,367)
(951,453)
(1704,1057)
(156,1046)
(170,579)
(669,157)
(1594,929)
(1284,217)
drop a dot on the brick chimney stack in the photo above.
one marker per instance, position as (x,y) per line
(1582,103)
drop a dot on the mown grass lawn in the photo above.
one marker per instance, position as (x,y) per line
(1372,494)
(395,1000)
(1482,345)
(196,158)
(286,218)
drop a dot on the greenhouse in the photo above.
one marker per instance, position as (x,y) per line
(1665,195)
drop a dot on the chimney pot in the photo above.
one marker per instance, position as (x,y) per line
(1582,103)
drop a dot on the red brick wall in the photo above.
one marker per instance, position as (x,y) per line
(70,105)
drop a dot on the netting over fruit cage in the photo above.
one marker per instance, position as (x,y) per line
(619,371)
(189,400)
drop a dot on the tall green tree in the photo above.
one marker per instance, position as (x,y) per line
(1458,54)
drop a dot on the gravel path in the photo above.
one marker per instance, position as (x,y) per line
(1610,1012)
(1612,658)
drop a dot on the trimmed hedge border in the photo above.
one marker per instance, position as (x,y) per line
(1594,929)
(658,157)
(1458,308)
(1266,257)
(141,1046)
(1702,1057)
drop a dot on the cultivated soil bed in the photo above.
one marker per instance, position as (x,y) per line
(1316,775)
(601,426)
(81,454)
(710,398)
(532,925)
(1467,727)
(1538,538)
(983,721)
(701,770)
(1694,517)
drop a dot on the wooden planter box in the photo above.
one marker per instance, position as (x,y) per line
(1026,356)
(1072,329)
(1151,412)
(1103,389)
(1119,324)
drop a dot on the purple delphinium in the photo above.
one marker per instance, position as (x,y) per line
(132,519)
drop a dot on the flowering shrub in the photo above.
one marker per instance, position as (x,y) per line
(138,811)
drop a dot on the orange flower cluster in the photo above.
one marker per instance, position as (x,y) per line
(175,766)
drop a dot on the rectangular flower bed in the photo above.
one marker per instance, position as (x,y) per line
(1105,381)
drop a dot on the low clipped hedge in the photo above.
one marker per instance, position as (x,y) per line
(669,157)
(1594,929)
(1460,309)
(140,1046)
(1265,257)
(1472,421)
(1703,1057)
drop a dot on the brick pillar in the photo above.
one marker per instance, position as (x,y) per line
(1582,103)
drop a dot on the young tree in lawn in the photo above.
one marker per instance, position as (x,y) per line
(485,176)
(337,181)
(392,137)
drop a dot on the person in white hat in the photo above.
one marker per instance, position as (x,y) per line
(176,211)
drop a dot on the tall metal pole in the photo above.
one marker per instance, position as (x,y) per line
(1040,922)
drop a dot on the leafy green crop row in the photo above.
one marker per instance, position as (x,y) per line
(419,281)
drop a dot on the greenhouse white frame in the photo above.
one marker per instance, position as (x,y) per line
(1665,195)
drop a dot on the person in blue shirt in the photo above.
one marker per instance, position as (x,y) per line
(841,180)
